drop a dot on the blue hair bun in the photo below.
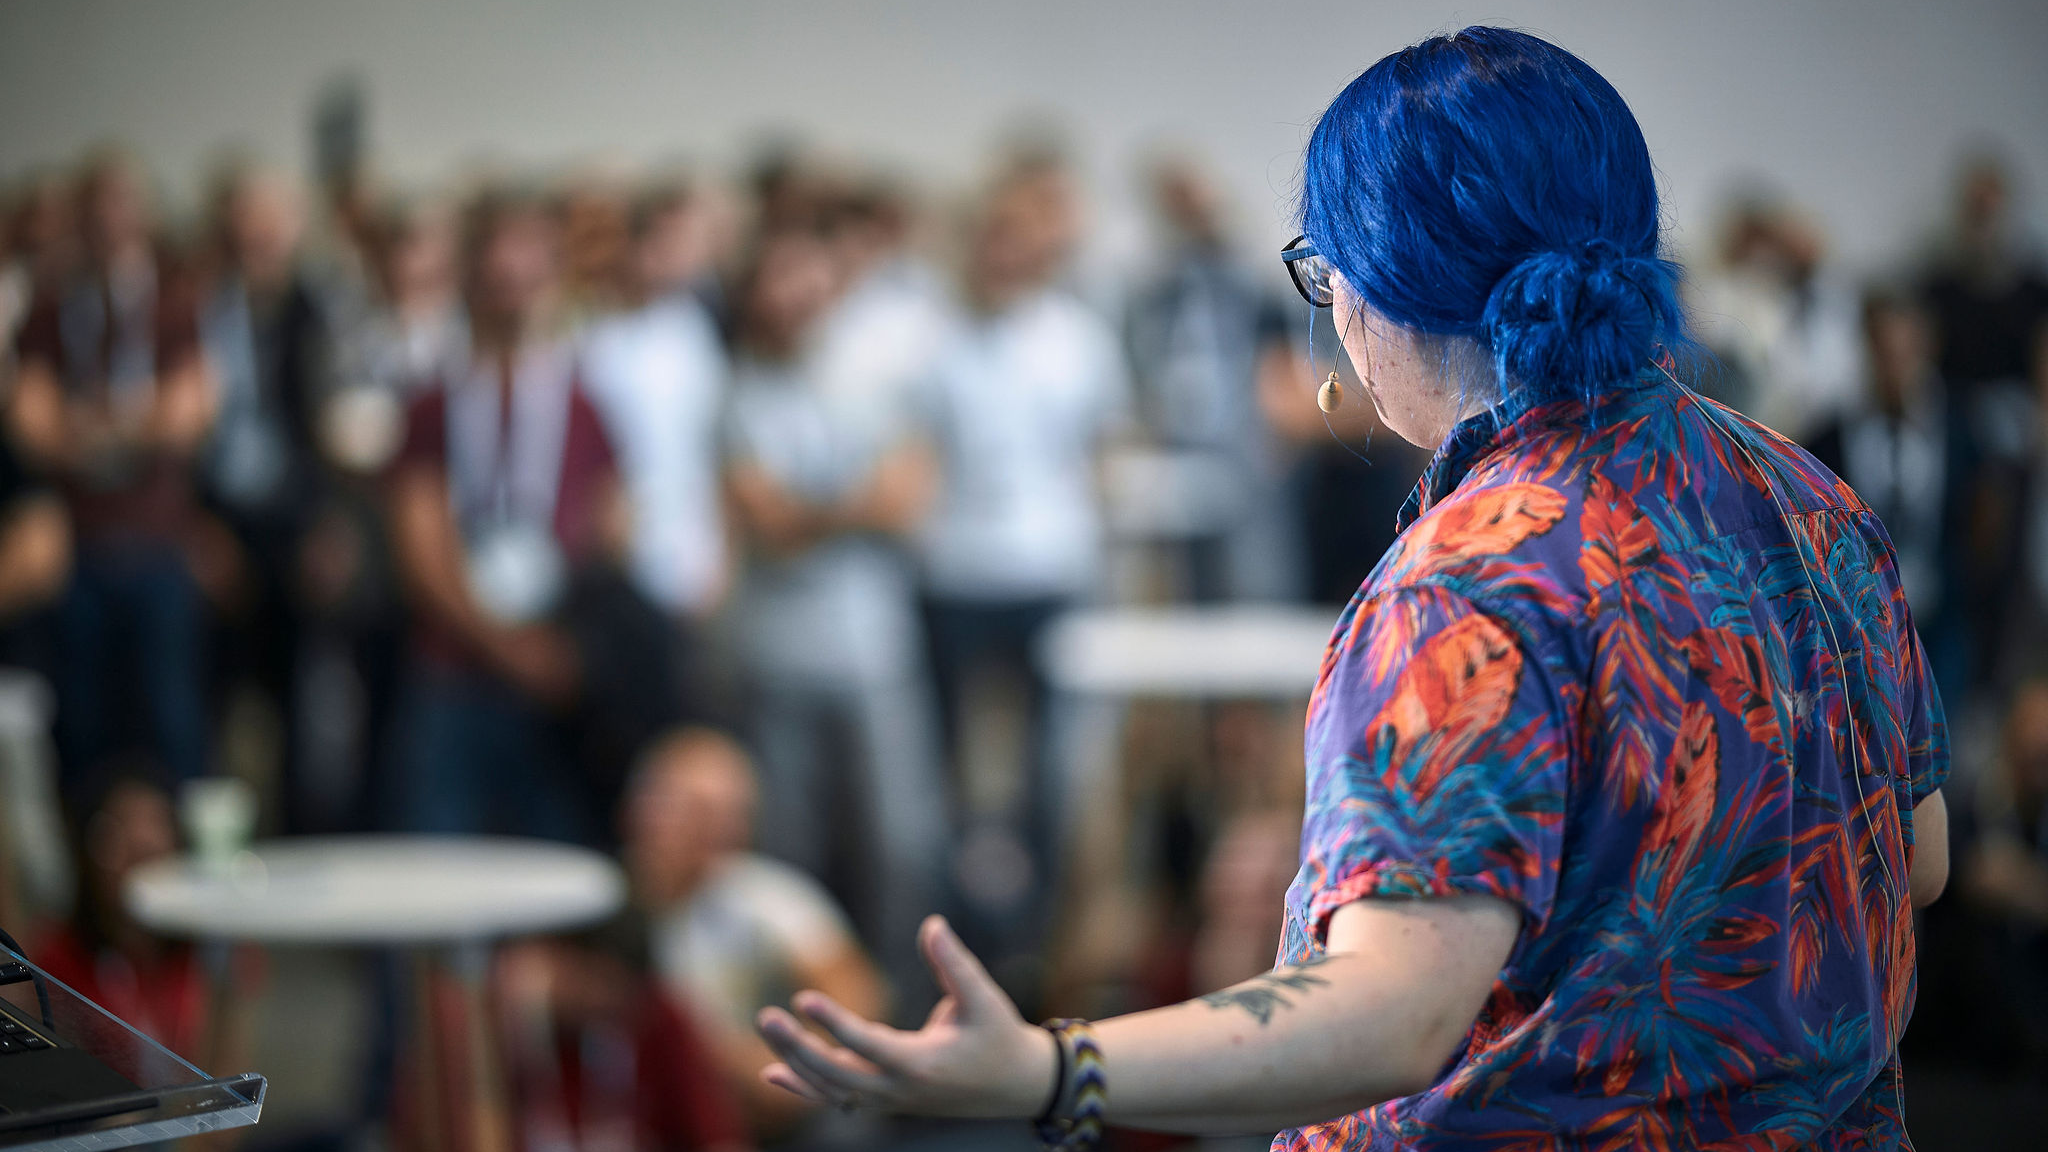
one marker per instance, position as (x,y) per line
(1487,185)
(1587,315)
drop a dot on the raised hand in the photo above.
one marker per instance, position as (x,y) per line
(974,1057)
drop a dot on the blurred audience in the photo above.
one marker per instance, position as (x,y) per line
(124,820)
(732,931)
(505,486)
(1898,449)
(1780,319)
(657,373)
(824,490)
(1027,386)
(1199,334)
(1986,288)
(271,336)
(598,1056)
(113,398)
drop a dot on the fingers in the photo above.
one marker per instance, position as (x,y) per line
(960,974)
(835,1072)
(879,1044)
(784,1078)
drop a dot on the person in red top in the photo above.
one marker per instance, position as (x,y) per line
(155,984)
(113,399)
(505,487)
(597,1055)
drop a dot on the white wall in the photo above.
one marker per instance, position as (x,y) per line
(1856,108)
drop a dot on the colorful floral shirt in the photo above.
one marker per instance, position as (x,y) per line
(1593,678)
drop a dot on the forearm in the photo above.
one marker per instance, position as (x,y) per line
(1294,1046)
(429,554)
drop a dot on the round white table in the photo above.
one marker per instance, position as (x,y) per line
(362,891)
(1268,651)
(447,895)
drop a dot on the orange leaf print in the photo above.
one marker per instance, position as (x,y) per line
(1456,689)
(1617,537)
(1685,802)
(1734,667)
(1489,522)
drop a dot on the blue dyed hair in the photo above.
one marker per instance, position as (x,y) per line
(1490,186)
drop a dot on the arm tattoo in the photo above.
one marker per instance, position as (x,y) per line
(1261,996)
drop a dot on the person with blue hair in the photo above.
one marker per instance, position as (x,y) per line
(1624,765)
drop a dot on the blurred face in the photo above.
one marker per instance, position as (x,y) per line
(115,211)
(133,827)
(517,267)
(1188,203)
(595,238)
(1984,199)
(674,250)
(1008,254)
(794,283)
(264,226)
(419,263)
(693,804)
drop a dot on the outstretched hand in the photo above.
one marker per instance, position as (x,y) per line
(974,1057)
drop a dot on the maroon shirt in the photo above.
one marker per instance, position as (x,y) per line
(151,496)
(588,470)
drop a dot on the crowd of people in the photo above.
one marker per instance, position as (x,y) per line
(715,524)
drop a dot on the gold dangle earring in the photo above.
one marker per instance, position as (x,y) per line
(1330,396)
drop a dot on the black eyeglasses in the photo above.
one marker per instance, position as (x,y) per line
(1309,271)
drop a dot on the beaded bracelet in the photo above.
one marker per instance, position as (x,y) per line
(1083,1088)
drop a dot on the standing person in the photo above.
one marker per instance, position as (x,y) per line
(416,330)
(272,337)
(823,494)
(877,345)
(1780,319)
(114,397)
(1986,290)
(504,489)
(1027,385)
(1608,840)
(1199,335)
(657,373)
(1986,287)
(1900,451)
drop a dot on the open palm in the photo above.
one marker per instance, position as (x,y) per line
(975,1056)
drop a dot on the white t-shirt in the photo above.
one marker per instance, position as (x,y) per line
(841,612)
(658,378)
(1017,404)
(737,945)
(879,341)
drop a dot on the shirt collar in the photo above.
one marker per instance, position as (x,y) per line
(1514,419)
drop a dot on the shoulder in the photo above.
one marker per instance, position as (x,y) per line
(766,879)
(1506,534)
(795,905)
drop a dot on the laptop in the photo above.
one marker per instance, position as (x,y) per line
(56,1092)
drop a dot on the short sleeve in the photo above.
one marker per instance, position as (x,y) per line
(1438,755)
(1927,755)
